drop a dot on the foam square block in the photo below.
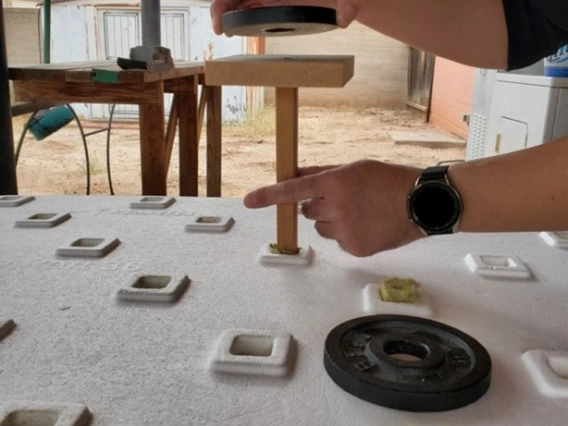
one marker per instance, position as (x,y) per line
(6,327)
(14,200)
(43,220)
(210,224)
(252,352)
(374,304)
(89,247)
(548,371)
(153,203)
(497,266)
(266,257)
(155,288)
(556,239)
(31,413)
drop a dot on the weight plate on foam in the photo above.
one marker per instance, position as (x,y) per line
(407,363)
(279,21)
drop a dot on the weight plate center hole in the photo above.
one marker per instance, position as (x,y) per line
(279,30)
(406,351)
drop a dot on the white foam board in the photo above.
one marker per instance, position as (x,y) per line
(147,364)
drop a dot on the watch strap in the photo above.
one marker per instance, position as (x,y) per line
(433,173)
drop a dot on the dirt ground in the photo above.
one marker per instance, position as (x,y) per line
(56,165)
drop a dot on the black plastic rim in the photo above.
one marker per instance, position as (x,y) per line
(472,381)
(279,21)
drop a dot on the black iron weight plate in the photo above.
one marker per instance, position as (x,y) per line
(279,21)
(407,363)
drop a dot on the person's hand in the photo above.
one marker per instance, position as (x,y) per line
(347,10)
(360,205)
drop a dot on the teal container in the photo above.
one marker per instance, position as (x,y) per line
(49,121)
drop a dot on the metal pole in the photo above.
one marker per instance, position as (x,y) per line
(46,31)
(151,20)
(8,181)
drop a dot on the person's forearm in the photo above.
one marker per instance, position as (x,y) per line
(524,191)
(470,32)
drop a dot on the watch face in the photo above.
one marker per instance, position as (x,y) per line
(435,207)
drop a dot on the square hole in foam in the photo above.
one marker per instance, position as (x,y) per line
(38,413)
(548,371)
(43,220)
(210,224)
(559,365)
(14,200)
(87,242)
(153,203)
(42,216)
(155,288)
(498,261)
(253,352)
(31,418)
(497,266)
(91,247)
(208,219)
(557,239)
(152,282)
(261,346)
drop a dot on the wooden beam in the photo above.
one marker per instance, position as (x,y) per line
(287,165)
(171,130)
(213,141)
(179,85)
(93,93)
(153,148)
(188,146)
(280,71)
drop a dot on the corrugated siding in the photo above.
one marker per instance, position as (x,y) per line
(381,67)
(452,93)
(22,36)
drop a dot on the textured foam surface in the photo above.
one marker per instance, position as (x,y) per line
(147,363)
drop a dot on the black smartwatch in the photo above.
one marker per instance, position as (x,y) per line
(433,204)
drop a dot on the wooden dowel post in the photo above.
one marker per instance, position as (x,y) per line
(287,165)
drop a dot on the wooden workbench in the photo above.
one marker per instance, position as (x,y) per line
(104,82)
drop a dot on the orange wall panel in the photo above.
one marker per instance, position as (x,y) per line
(452,91)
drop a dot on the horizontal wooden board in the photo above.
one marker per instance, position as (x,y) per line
(82,72)
(280,70)
(93,93)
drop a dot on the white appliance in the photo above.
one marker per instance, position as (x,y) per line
(516,110)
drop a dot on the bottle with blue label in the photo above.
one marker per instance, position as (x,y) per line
(557,65)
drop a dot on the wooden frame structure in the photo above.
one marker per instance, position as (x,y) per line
(287,74)
(105,82)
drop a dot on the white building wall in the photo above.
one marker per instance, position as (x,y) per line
(79,33)
(69,41)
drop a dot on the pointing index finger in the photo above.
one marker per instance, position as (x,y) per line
(290,191)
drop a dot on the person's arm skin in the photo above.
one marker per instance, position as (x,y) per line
(363,205)
(471,32)
(524,191)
